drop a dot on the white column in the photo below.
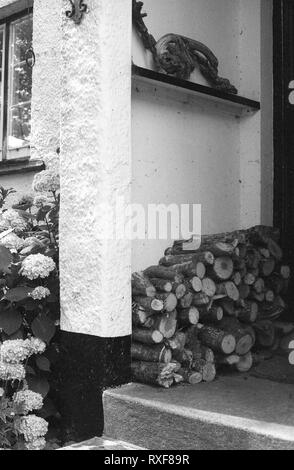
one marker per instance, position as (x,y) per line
(95,168)
(46,93)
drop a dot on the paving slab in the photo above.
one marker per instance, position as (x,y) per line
(102,443)
(233,412)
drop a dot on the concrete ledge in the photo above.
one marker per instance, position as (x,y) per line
(205,417)
(102,443)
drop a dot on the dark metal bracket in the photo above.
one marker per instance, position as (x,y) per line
(78,8)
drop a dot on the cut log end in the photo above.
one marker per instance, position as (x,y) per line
(228,344)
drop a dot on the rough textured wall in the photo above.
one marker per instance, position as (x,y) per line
(95,168)
(46,77)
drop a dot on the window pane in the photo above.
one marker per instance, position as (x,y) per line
(20,88)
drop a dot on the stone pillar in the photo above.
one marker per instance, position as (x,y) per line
(95,170)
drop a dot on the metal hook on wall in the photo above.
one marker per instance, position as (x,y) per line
(78,8)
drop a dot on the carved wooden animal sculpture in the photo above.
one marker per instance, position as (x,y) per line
(178,55)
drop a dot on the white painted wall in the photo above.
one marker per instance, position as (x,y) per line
(187,152)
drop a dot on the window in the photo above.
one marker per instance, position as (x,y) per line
(15,86)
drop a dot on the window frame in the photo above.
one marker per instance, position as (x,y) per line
(23,153)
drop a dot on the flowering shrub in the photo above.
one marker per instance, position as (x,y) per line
(29,300)
(19,428)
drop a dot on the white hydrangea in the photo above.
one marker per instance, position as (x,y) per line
(35,345)
(30,241)
(35,266)
(37,444)
(46,181)
(12,242)
(14,351)
(12,371)
(40,293)
(28,400)
(15,220)
(4,225)
(31,427)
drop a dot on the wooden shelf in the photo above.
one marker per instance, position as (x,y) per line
(196,89)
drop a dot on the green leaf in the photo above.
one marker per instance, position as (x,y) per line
(43,363)
(43,328)
(18,294)
(5,259)
(30,370)
(38,385)
(10,321)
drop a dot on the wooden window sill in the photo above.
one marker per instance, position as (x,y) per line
(11,167)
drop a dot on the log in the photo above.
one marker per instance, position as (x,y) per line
(142,285)
(147,336)
(285,271)
(256,297)
(242,250)
(212,315)
(269,295)
(163,273)
(179,289)
(177,342)
(162,285)
(186,301)
(244,342)
(229,289)
(228,306)
(189,316)
(190,376)
(283,328)
(166,324)
(222,269)
(265,333)
(196,284)
(245,363)
(206,369)
(239,263)
(139,315)
(150,304)
(259,285)
(265,253)
(219,248)
(200,300)
(248,314)
(200,270)
(286,342)
(291,358)
(184,357)
(205,257)
(227,360)
(217,340)
(186,269)
(266,267)
(236,278)
(207,354)
(253,258)
(143,352)
(208,287)
(249,279)
(274,249)
(169,301)
(235,237)
(154,373)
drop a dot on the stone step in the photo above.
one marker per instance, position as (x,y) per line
(236,412)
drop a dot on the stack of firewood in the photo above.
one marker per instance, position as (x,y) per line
(203,309)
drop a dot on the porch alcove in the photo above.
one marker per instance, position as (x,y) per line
(188,149)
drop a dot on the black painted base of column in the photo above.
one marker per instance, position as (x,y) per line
(87,366)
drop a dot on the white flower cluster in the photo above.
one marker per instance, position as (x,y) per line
(37,444)
(46,181)
(33,429)
(11,371)
(15,220)
(18,350)
(35,345)
(28,400)
(40,293)
(4,225)
(14,351)
(35,266)
(12,242)
(52,161)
